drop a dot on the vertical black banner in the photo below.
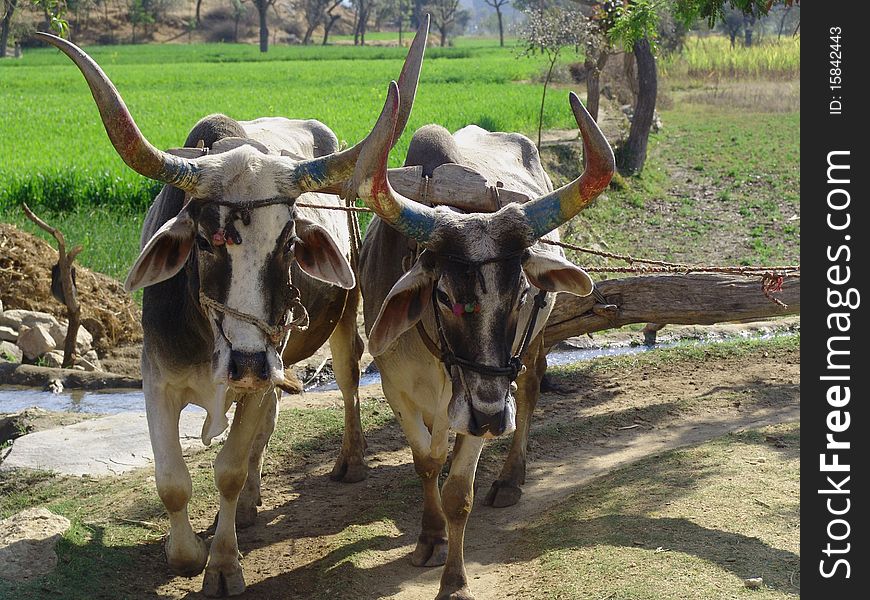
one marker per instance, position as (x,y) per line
(835,370)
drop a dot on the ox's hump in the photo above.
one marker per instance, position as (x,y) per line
(301,139)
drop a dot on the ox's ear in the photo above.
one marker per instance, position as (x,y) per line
(319,256)
(555,274)
(164,254)
(402,308)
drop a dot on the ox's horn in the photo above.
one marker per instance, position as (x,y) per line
(128,141)
(329,172)
(546,213)
(370,180)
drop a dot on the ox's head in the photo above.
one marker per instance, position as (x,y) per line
(480,272)
(239,221)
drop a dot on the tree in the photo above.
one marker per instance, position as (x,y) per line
(549,32)
(262,9)
(362,11)
(8,7)
(635,27)
(239,11)
(731,25)
(497,4)
(444,14)
(330,18)
(137,14)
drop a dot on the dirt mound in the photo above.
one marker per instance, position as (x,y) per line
(108,312)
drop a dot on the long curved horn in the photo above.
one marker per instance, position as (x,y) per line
(372,185)
(323,174)
(546,213)
(128,141)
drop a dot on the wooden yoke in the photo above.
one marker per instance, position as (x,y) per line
(453,185)
(450,185)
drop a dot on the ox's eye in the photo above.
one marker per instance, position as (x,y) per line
(203,244)
(443,298)
(290,246)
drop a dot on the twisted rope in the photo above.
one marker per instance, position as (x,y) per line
(275,332)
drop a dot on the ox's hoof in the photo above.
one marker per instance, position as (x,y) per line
(462,593)
(188,563)
(431,551)
(349,469)
(503,494)
(225,580)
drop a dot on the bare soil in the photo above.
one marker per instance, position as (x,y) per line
(108,312)
(320,539)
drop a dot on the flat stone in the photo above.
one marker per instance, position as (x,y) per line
(35,341)
(7,334)
(9,350)
(27,541)
(17,317)
(108,445)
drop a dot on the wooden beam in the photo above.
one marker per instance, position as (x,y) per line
(693,299)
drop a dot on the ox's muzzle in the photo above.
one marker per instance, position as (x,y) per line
(248,370)
(482,406)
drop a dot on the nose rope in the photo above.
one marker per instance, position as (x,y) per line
(275,333)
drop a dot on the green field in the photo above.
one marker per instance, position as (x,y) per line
(721,183)
(57,154)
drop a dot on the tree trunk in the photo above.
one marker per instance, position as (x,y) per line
(500,27)
(748,23)
(198,5)
(593,83)
(309,31)
(363,22)
(443,33)
(632,156)
(236,29)
(4,31)
(782,22)
(693,299)
(544,96)
(327,26)
(262,7)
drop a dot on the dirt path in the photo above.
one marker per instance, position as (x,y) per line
(319,539)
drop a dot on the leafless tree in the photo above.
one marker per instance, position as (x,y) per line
(551,31)
(444,14)
(497,4)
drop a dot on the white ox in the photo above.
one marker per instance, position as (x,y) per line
(450,326)
(232,269)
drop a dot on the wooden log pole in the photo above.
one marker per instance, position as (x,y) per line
(65,269)
(692,299)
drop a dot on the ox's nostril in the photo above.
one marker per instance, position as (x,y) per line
(248,364)
(482,423)
(234,370)
(264,368)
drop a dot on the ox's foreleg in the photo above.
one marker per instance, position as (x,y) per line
(347,348)
(223,575)
(250,497)
(506,490)
(431,549)
(186,553)
(457,498)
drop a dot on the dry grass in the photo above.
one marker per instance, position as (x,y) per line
(759,97)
